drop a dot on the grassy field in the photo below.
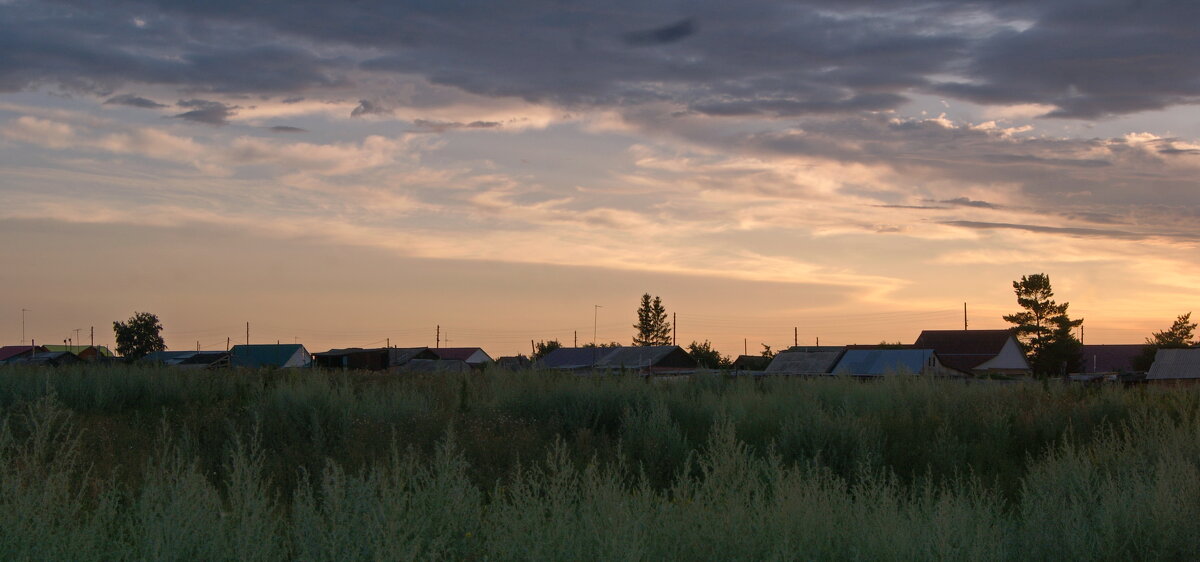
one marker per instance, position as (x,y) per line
(131,463)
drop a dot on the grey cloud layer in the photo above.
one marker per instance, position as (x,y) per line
(758,57)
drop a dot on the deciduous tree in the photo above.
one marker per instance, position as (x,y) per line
(139,336)
(543,348)
(708,357)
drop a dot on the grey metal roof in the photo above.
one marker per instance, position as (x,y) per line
(804,362)
(1175,364)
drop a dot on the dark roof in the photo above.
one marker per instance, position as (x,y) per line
(1110,358)
(963,349)
(263,355)
(456,353)
(574,357)
(801,362)
(635,357)
(10,351)
(625,357)
(402,355)
(50,358)
(751,362)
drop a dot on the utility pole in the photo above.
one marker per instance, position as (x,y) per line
(92,336)
(438,342)
(745,347)
(796,336)
(964,316)
(197,345)
(247,333)
(227,344)
(76,338)
(23,311)
(532,349)
(674,329)
(595,314)
(389,343)
(576,344)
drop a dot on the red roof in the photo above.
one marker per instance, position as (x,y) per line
(10,351)
(963,349)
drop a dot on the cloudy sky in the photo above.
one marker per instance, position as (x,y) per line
(343,173)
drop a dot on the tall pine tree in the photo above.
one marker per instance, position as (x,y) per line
(652,327)
(1044,329)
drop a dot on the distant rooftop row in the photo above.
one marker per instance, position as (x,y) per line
(950,353)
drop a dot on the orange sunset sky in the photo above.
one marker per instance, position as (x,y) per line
(339,175)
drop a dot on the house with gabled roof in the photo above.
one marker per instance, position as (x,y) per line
(255,356)
(977,352)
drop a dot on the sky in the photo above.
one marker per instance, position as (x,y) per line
(358,174)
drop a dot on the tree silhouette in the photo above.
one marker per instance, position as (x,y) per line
(652,327)
(139,336)
(1181,334)
(1044,329)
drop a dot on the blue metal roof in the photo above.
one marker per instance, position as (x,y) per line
(883,361)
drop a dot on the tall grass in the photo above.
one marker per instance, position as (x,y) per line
(124,463)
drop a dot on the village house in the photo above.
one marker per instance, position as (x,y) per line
(976,352)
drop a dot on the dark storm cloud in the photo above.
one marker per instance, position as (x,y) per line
(205,111)
(134,101)
(1085,58)
(666,34)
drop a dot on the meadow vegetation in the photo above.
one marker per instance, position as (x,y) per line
(145,463)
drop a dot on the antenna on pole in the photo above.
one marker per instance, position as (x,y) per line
(23,311)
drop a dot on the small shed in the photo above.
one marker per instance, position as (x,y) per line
(1175,364)
(255,356)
